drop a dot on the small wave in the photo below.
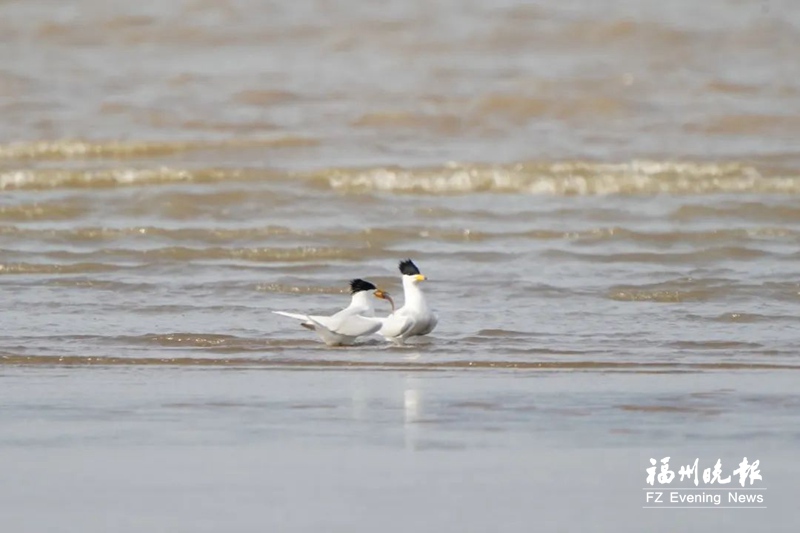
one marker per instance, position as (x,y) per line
(184,253)
(660,296)
(746,211)
(264,98)
(376,236)
(488,337)
(563,179)
(659,239)
(81,149)
(492,332)
(51,179)
(302,253)
(100,285)
(283,288)
(104,235)
(182,340)
(747,124)
(39,211)
(15,359)
(75,268)
(669,409)
(715,345)
(444,124)
(558,179)
(674,291)
(520,109)
(723,253)
(747,318)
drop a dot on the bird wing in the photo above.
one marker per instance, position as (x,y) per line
(396,325)
(356,326)
(431,322)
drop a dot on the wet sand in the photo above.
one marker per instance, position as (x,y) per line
(204,449)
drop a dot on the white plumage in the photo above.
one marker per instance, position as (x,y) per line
(415,317)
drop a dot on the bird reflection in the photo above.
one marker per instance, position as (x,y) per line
(371,401)
(412,412)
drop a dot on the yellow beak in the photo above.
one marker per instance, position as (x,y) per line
(420,277)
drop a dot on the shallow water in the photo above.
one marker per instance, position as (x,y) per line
(604,196)
(206,448)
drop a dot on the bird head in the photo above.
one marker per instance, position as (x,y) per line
(360,285)
(410,271)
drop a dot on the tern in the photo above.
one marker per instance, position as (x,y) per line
(415,317)
(355,320)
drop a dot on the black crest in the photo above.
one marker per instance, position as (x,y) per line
(408,268)
(358,285)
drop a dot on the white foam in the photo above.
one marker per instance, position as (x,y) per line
(567,178)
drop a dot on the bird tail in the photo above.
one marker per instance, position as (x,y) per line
(306,322)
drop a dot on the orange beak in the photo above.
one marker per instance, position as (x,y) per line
(385,296)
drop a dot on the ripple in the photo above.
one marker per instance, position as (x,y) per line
(82,149)
(338,364)
(568,178)
(707,255)
(74,268)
